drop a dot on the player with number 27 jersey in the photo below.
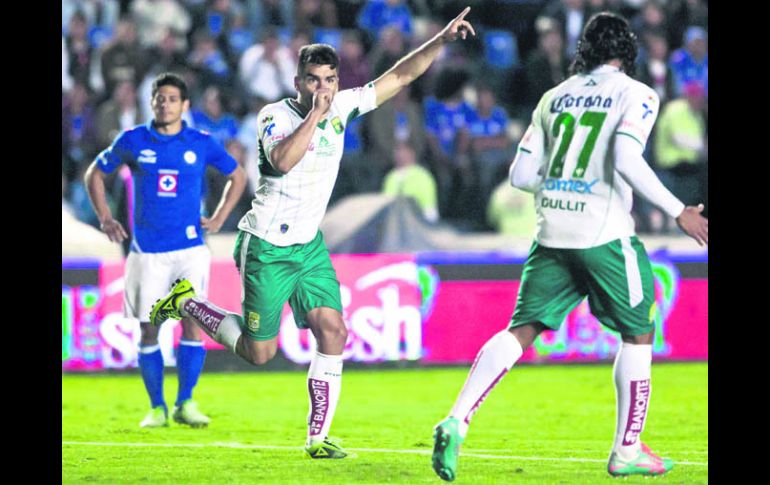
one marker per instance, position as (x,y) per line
(581,200)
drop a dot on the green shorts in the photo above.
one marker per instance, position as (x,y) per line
(301,273)
(616,277)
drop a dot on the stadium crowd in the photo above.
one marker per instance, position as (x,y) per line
(447,139)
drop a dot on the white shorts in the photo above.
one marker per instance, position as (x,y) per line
(149,276)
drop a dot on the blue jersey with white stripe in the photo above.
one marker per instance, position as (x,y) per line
(168,173)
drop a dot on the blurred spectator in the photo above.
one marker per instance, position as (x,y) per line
(267,70)
(165,57)
(409,179)
(680,148)
(78,130)
(571,16)
(651,17)
(264,13)
(123,59)
(155,17)
(446,123)
(212,117)
(298,39)
(378,14)
(512,211)
(216,17)
(691,63)
(216,183)
(680,15)
(389,50)
(547,66)
(209,62)
(66,78)
(490,147)
(353,69)
(399,120)
(79,50)
(315,13)
(101,14)
(653,69)
(239,37)
(117,114)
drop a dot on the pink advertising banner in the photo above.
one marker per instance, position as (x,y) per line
(395,310)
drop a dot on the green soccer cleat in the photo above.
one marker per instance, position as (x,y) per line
(326,449)
(646,463)
(188,413)
(446,448)
(156,418)
(168,306)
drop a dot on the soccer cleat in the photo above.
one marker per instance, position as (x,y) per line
(326,449)
(446,448)
(156,418)
(646,463)
(168,306)
(188,413)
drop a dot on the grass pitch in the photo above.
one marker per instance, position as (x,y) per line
(541,425)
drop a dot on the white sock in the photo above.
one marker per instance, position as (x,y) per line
(324,378)
(218,323)
(493,361)
(632,391)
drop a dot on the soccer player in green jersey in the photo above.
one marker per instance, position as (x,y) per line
(582,158)
(280,252)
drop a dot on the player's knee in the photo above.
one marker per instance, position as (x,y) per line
(644,339)
(261,355)
(337,332)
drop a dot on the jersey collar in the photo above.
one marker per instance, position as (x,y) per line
(161,137)
(604,69)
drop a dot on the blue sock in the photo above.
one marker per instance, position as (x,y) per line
(189,363)
(151,364)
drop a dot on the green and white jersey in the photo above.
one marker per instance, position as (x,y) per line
(581,200)
(287,209)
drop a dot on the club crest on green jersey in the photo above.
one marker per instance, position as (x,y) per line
(337,125)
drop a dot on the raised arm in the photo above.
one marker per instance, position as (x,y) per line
(417,62)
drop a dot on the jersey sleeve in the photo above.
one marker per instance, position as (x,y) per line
(355,102)
(639,114)
(274,125)
(219,158)
(528,169)
(118,153)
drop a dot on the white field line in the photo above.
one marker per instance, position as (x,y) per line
(364,450)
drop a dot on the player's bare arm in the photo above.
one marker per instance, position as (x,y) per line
(694,224)
(417,62)
(286,154)
(236,182)
(94,180)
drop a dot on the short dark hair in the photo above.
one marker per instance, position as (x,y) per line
(321,54)
(170,79)
(606,36)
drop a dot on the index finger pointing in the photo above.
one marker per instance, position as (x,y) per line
(463,13)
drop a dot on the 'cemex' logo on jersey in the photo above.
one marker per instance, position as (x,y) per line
(578,186)
(167,182)
(147,156)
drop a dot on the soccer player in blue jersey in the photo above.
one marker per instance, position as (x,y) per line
(168,163)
